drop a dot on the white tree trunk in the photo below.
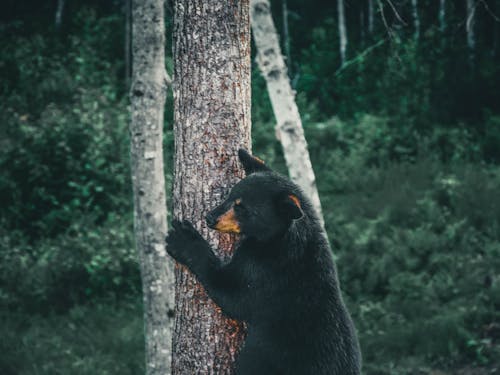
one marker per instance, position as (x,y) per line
(148,94)
(470,28)
(442,15)
(416,19)
(342,31)
(288,123)
(59,13)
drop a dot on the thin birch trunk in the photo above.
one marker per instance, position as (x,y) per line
(288,123)
(470,29)
(212,121)
(370,16)
(442,15)
(146,133)
(416,19)
(59,13)
(342,31)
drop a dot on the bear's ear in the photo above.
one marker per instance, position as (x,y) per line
(290,207)
(250,163)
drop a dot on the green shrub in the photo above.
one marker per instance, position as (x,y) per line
(104,338)
(421,275)
(84,263)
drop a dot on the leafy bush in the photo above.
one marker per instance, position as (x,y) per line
(84,263)
(104,338)
(64,151)
(420,272)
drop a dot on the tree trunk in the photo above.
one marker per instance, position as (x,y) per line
(442,15)
(470,26)
(416,19)
(212,121)
(59,13)
(342,31)
(146,132)
(370,16)
(288,123)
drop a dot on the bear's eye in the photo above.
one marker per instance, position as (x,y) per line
(238,205)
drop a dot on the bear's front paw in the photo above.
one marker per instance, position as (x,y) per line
(183,241)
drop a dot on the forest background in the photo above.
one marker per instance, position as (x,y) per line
(404,137)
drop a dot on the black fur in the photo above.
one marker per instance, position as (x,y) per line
(281,279)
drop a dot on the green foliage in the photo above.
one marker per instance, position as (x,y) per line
(68,160)
(80,265)
(403,138)
(64,152)
(420,269)
(104,338)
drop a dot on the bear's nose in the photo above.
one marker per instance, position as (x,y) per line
(211,220)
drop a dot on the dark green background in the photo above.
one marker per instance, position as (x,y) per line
(405,143)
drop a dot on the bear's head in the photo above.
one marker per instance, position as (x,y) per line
(261,206)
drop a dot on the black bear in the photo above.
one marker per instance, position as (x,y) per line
(281,279)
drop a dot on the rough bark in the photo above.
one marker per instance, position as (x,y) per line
(288,123)
(416,19)
(146,132)
(212,120)
(342,31)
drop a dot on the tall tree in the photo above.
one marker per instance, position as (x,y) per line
(470,28)
(342,31)
(370,16)
(416,19)
(288,123)
(148,91)
(442,15)
(59,13)
(212,121)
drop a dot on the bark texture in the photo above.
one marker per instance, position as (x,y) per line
(342,30)
(288,123)
(212,120)
(146,132)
